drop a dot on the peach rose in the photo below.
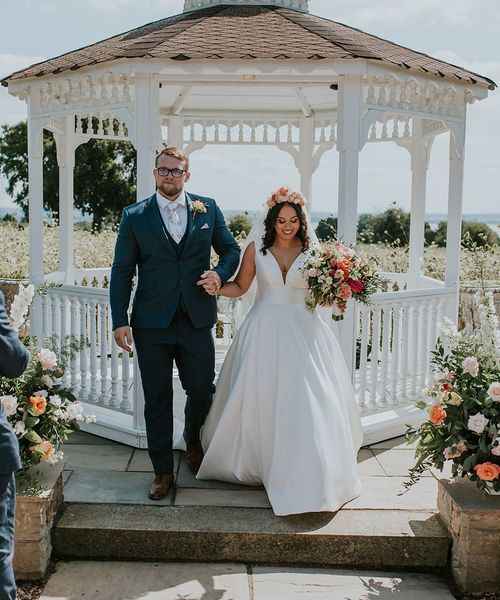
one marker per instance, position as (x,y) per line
(470,365)
(494,391)
(437,414)
(38,403)
(345,292)
(45,448)
(487,471)
(47,359)
(345,264)
(455,451)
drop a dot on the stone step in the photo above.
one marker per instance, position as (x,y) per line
(380,539)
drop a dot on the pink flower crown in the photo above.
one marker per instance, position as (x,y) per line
(285,194)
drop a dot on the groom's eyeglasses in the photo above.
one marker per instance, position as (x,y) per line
(163,172)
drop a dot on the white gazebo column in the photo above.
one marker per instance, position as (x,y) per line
(305,163)
(176,131)
(454,228)
(66,162)
(35,199)
(419,158)
(348,145)
(147,136)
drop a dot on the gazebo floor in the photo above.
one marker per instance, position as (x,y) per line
(108,515)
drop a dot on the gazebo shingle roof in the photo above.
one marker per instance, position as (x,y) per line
(244,33)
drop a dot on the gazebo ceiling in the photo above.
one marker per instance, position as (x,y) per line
(246,33)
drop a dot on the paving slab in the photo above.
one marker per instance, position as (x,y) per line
(244,498)
(82,437)
(140,461)
(384,493)
(97,486)
(368,464)
(397,463)
(99,457)
(397,443)
(186,479)
(313,584)
(147,581)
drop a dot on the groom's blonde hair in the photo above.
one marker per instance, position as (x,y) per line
(174,153)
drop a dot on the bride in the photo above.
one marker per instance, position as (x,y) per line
(284,413)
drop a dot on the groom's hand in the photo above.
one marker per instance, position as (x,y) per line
(211,282)
(123,337)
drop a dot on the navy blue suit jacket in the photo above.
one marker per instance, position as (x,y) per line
(164,275)
(13,360)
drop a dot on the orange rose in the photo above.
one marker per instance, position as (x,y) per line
(39,403)
(45,448)
(345,292)
(345,264)
(437,414)
(487,471)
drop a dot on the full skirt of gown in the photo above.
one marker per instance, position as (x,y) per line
(284,413)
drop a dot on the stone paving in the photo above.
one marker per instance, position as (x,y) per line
(101,471)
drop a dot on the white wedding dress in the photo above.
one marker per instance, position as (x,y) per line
(284,413)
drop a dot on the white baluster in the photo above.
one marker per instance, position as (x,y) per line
(114,90)
(414,346)
(75,329)
(393,100)
(374,367)
(64,303)
(373,132)
(100,128)
(396,341)
(103,348)
(78,128)
(395,129)
(93,349)
(381,93)
(54,324)
(45,315)
(406,132)
(363,360)
(386,344)
(371,90)
(423,359)
(126,89)
(406,341)
(383,135)
(115,398)
(125,403)
(84,351)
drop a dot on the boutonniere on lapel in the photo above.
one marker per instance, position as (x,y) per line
(197,207)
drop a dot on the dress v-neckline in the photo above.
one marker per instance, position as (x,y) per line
(283,279)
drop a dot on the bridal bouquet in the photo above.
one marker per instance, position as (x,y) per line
(336,274)
(40,409)
(463,410)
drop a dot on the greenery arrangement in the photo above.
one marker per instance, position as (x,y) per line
(463,424)
(41,410)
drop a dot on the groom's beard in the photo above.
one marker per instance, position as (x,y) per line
(171,188)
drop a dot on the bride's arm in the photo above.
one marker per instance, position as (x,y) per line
(244,278)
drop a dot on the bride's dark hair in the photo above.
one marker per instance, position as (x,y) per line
(270,224)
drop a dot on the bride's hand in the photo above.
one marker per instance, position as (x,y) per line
(211,282)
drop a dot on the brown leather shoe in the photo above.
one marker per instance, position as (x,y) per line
(194,456)
(160,487)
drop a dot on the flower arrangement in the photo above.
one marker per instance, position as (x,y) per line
(463,419)
(41,410)
(285,194)
(198,207)
(336,274)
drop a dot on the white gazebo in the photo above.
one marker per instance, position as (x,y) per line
(250,72)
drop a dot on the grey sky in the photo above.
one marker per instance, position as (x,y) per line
(464,32)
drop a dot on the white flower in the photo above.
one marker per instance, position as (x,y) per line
(495,449)
(54,457)
(471,366)
(19,427)
(74,412)
(48,381)
(47,359)
(43,393)
(494,391)
(20,305)
(477,423)
(9,404)
(55,400)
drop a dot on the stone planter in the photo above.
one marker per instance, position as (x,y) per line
(10,287)
(35,516)
(473,520)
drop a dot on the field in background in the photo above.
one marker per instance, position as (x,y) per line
(96,251)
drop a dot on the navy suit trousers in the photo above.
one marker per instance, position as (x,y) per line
(7,510)
(193,351)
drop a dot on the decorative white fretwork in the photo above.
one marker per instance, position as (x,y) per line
(412,96)
(294,4)
(101,125)
(88,91)
(390,128)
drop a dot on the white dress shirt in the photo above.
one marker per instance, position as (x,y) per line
(182,208)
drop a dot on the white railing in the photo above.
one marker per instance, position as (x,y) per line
(394,339)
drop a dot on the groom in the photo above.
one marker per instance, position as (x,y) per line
(168,238)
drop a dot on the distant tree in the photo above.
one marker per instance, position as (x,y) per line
(364,220)
(327,229)
(9,218)
(478,233)
(104,176)
(240,225)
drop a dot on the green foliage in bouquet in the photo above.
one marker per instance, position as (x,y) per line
(464,413)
